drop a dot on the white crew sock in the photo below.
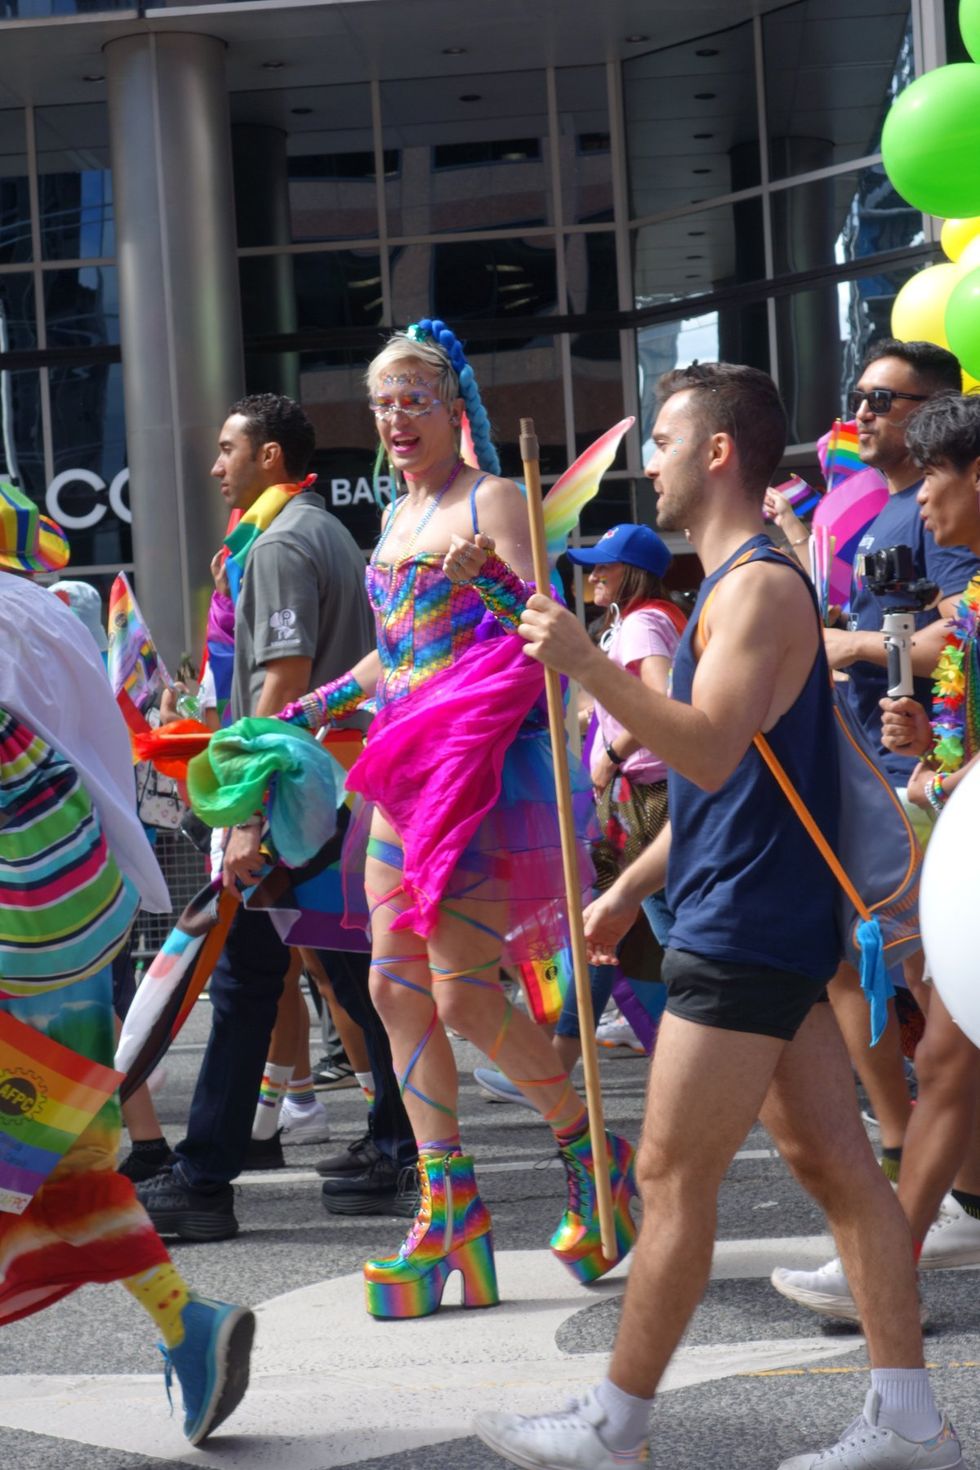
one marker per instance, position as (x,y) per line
(627,1417)
(365,1081)
(271,1094)
(907,1404)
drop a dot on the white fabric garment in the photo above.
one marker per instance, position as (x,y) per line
(52,677)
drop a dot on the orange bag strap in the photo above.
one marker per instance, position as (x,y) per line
(775,765)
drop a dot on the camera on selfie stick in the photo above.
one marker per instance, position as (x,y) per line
(890,575)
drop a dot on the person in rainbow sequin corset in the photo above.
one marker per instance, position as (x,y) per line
(458,830)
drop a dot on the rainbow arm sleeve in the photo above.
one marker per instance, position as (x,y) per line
(330,702)
(503,591)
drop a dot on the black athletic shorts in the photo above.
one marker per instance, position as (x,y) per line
(738,997)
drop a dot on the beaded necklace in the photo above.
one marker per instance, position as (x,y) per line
(956,690)
(427,515)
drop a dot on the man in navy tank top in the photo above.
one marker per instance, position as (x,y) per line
(745,1034)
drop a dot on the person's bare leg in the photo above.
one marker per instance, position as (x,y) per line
(948,1069)
(568,1050)
(812,1114)
(968,1175)
(138,1112)
(351,1035)
(705,1090)
(880,1067)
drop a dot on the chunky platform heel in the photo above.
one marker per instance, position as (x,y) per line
(451,1232)
(576,1242)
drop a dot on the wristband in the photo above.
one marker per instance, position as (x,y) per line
(616,759)
(503,592)
(935,794)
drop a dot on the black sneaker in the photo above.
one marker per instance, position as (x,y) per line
(176,1209)
(146,1158)
(355,1159)
(331,1076)
(264,1153)
(383,1188)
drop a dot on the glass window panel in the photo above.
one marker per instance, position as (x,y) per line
(473,151)
(75,182)
(611,507)
(840,218)
(737,333)
(38,9)
(15,203)
(333,394)
(82,306)
(472,280)
(304,165)
(698,252)
(18,327)
(845,317)
(89,436)
(516,385)
(597,387)
(583,144)
(832,70)
(21,440)
(591,272)
(691,121)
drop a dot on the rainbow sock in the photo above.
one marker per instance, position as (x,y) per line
(299,1090)
(271,1093)
(164,1293)
(365,1080)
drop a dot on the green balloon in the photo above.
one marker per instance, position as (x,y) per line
(931,142)
(970,26)
(963,322)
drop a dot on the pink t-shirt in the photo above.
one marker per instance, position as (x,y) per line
(646,633)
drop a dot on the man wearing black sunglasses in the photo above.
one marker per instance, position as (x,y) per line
(895,379)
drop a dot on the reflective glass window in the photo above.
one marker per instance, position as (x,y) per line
(304,165)
(845,317)
(473,153)
(585,160)
(81,306)
(597,386)
(15,202)
(75,182)
(840,218)
(21,438)
(698,252)
(832,68)
(691,121)
(468,280)
(90,492)
(332,392)
(18,326)
(38,9)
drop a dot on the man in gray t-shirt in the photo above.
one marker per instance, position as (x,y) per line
(301,619)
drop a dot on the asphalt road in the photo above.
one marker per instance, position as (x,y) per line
(756,1379)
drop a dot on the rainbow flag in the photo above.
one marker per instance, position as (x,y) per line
(837,452)
(546,984)
(48,1097)
(136,670)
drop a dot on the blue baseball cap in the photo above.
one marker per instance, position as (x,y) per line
(637,546)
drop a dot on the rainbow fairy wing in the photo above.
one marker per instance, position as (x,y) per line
(568,497)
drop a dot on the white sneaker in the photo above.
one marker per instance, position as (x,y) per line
(566,1441)
(825,1291)
(953,1239)
(303,1125)
(617,1034)
(865,1446)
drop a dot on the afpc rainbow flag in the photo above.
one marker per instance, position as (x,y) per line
(546,984)
(48,1097)
(136,670)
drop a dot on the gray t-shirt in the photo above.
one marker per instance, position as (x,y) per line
(302,596)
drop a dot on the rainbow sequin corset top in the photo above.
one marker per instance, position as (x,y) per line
(424,621)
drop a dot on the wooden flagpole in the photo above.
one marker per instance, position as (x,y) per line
(569,853)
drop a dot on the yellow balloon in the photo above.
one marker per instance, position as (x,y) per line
(919,309)
(956,234)
(970,257)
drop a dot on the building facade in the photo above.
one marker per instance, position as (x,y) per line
(207,199)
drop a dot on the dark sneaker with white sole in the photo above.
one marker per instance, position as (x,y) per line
(191,1214)
(383,1188)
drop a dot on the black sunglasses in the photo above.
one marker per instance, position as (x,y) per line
(879,400)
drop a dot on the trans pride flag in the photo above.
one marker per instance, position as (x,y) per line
(136,670)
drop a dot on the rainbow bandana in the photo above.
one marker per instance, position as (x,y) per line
(29,541)
(258,518)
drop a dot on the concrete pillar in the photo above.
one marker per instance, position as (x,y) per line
(180,320)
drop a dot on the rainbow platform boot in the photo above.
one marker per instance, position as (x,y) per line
(452,1232)
(576,1241)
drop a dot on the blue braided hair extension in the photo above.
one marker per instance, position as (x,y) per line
(442,336)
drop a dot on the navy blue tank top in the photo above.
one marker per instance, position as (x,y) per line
(745,882)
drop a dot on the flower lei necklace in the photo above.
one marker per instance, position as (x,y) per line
(956,688)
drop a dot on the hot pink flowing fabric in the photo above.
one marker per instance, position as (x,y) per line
(433,762)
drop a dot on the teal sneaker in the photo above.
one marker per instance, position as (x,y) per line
(211,1363)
